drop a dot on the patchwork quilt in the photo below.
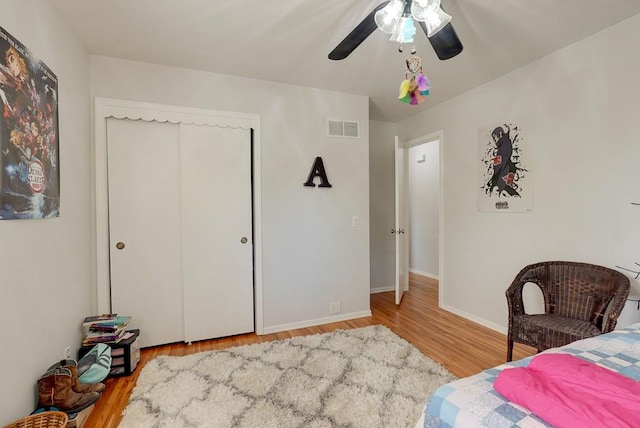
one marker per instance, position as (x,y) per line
(473,402)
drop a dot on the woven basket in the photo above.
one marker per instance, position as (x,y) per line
(41,420)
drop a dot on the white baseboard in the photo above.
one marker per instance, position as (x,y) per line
(478,320)
(318,321)
(382,289)
(428,275)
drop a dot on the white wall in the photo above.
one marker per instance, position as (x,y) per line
(424,208)
(382,203)
(311,253)
(45,265)
(584,100)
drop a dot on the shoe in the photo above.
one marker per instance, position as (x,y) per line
(54,389)
(83,388)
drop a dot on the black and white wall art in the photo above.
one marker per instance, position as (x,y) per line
(505,165)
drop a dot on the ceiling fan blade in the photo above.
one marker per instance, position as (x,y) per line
(357,35)
(445,42)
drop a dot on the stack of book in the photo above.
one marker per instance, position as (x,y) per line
(105,328)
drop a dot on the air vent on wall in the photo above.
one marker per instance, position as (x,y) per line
(343,129)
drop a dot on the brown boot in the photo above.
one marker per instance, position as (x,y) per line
(83,388)
(54,389)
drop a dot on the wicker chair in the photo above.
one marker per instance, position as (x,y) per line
(581,300)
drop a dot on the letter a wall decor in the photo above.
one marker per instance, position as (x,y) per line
(317,170)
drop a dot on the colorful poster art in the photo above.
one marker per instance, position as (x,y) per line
(506,179)
(29,162)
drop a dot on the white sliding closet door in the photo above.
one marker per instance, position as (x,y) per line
(217,254)
(145,227)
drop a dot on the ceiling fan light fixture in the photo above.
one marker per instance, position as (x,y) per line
(436,20)
(405,31)
(387,18)
(419,10)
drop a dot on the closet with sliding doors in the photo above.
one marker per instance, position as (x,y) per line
(179,193)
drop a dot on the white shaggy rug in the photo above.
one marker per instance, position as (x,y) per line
(366,377)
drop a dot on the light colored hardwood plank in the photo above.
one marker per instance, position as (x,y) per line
(462,346)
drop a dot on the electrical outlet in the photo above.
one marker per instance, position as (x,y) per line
(67,353)
(335,307)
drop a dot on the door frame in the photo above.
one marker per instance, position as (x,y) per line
(433,136)
(124,109)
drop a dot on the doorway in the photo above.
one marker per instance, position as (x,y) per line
(424,208)
(418,209)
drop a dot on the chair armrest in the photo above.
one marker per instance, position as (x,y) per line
(616,305)
(514,292)
(514,295)
(514,299)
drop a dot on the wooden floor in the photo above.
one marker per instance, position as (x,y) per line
(462,346)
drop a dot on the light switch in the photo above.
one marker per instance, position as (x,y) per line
(355,221)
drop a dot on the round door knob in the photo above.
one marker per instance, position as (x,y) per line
(120,245)
(243,240)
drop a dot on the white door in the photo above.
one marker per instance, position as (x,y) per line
(180,226)
(144,227)
(217,243)
(402,222)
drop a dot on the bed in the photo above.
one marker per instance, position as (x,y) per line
(473,401)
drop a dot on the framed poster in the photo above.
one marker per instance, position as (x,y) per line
(506,179)
(30,169)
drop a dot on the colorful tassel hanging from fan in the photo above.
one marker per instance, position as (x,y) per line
(414,89)
(423,84)
(405,96)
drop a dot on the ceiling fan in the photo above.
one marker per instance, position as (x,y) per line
(396,17)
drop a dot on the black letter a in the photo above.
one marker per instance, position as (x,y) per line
(317,170)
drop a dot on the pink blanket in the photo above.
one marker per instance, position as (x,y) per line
(566,391)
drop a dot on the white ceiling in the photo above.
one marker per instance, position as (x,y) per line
(288,40)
